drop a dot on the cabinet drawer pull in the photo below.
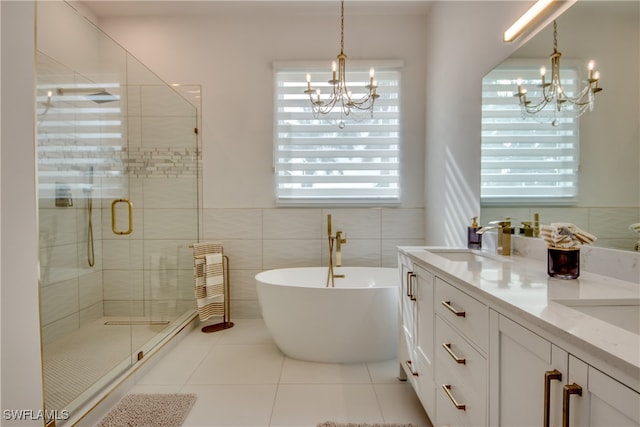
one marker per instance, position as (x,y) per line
(453,310)
(410,366)
(568,390)
(410,278)
(460,360)
(447,389)
(548,376)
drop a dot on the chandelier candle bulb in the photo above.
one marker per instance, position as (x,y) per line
(543,73)
(340,96)
(555,103)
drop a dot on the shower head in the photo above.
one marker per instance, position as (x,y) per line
(102,97)
(97,95)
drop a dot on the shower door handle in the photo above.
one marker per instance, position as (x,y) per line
(113,217)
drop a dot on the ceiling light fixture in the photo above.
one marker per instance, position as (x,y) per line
(553,93)
(340,95)
(518,27)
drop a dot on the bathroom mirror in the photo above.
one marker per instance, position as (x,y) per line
(608,198)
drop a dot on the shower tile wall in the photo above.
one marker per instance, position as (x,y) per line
(71,292)
(149,273)
(263,239)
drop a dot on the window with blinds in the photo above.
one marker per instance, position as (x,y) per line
(525,160)
(316,161)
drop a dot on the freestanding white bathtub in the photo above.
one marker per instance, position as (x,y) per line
(356,321)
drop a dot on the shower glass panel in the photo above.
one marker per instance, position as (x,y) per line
(118,165)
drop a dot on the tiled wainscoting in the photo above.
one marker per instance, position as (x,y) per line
(262,239)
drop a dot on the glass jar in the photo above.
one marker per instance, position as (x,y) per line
(563,263)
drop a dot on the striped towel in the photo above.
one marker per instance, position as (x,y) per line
(565,235)
(208,275)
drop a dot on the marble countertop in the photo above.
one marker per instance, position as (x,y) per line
(521,286)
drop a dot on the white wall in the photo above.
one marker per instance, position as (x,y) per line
(472,35)
(21,358)
(464,43)
(231,57)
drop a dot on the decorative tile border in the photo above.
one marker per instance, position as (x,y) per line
(170,162)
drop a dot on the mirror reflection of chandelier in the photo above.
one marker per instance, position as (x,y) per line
(560,102)
(341,96)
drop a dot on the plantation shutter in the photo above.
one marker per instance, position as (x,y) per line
(524,160)
(315,160)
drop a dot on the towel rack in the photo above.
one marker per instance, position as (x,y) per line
(212,309)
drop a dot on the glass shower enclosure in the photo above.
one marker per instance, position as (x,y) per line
(118,159)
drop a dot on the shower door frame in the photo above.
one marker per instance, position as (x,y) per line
(132,252)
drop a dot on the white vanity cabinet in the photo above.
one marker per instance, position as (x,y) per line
(408,321)
(482,351)
(462,338)
(522,365)
(604,402)
(424,282)
(415,352)
(535,382)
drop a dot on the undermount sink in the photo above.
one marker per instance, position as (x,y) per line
(466,255)
(624,313)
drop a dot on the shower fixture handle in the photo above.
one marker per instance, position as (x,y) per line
(113,217)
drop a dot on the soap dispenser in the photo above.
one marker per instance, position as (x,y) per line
(474,240)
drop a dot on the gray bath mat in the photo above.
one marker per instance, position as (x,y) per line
(332,424)
(150,410)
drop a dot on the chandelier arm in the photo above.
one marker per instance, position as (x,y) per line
(554,93)
(340,93)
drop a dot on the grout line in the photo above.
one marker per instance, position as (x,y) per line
(275,395)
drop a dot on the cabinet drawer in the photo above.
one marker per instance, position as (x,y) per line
(446,414)
(467,314)
(466,382)
(456,356)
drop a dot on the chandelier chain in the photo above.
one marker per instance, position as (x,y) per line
(555,36)
(342,27)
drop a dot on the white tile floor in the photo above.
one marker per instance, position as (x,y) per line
(242,379)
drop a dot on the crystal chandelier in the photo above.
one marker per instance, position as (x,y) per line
(553,93)
(341,96)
